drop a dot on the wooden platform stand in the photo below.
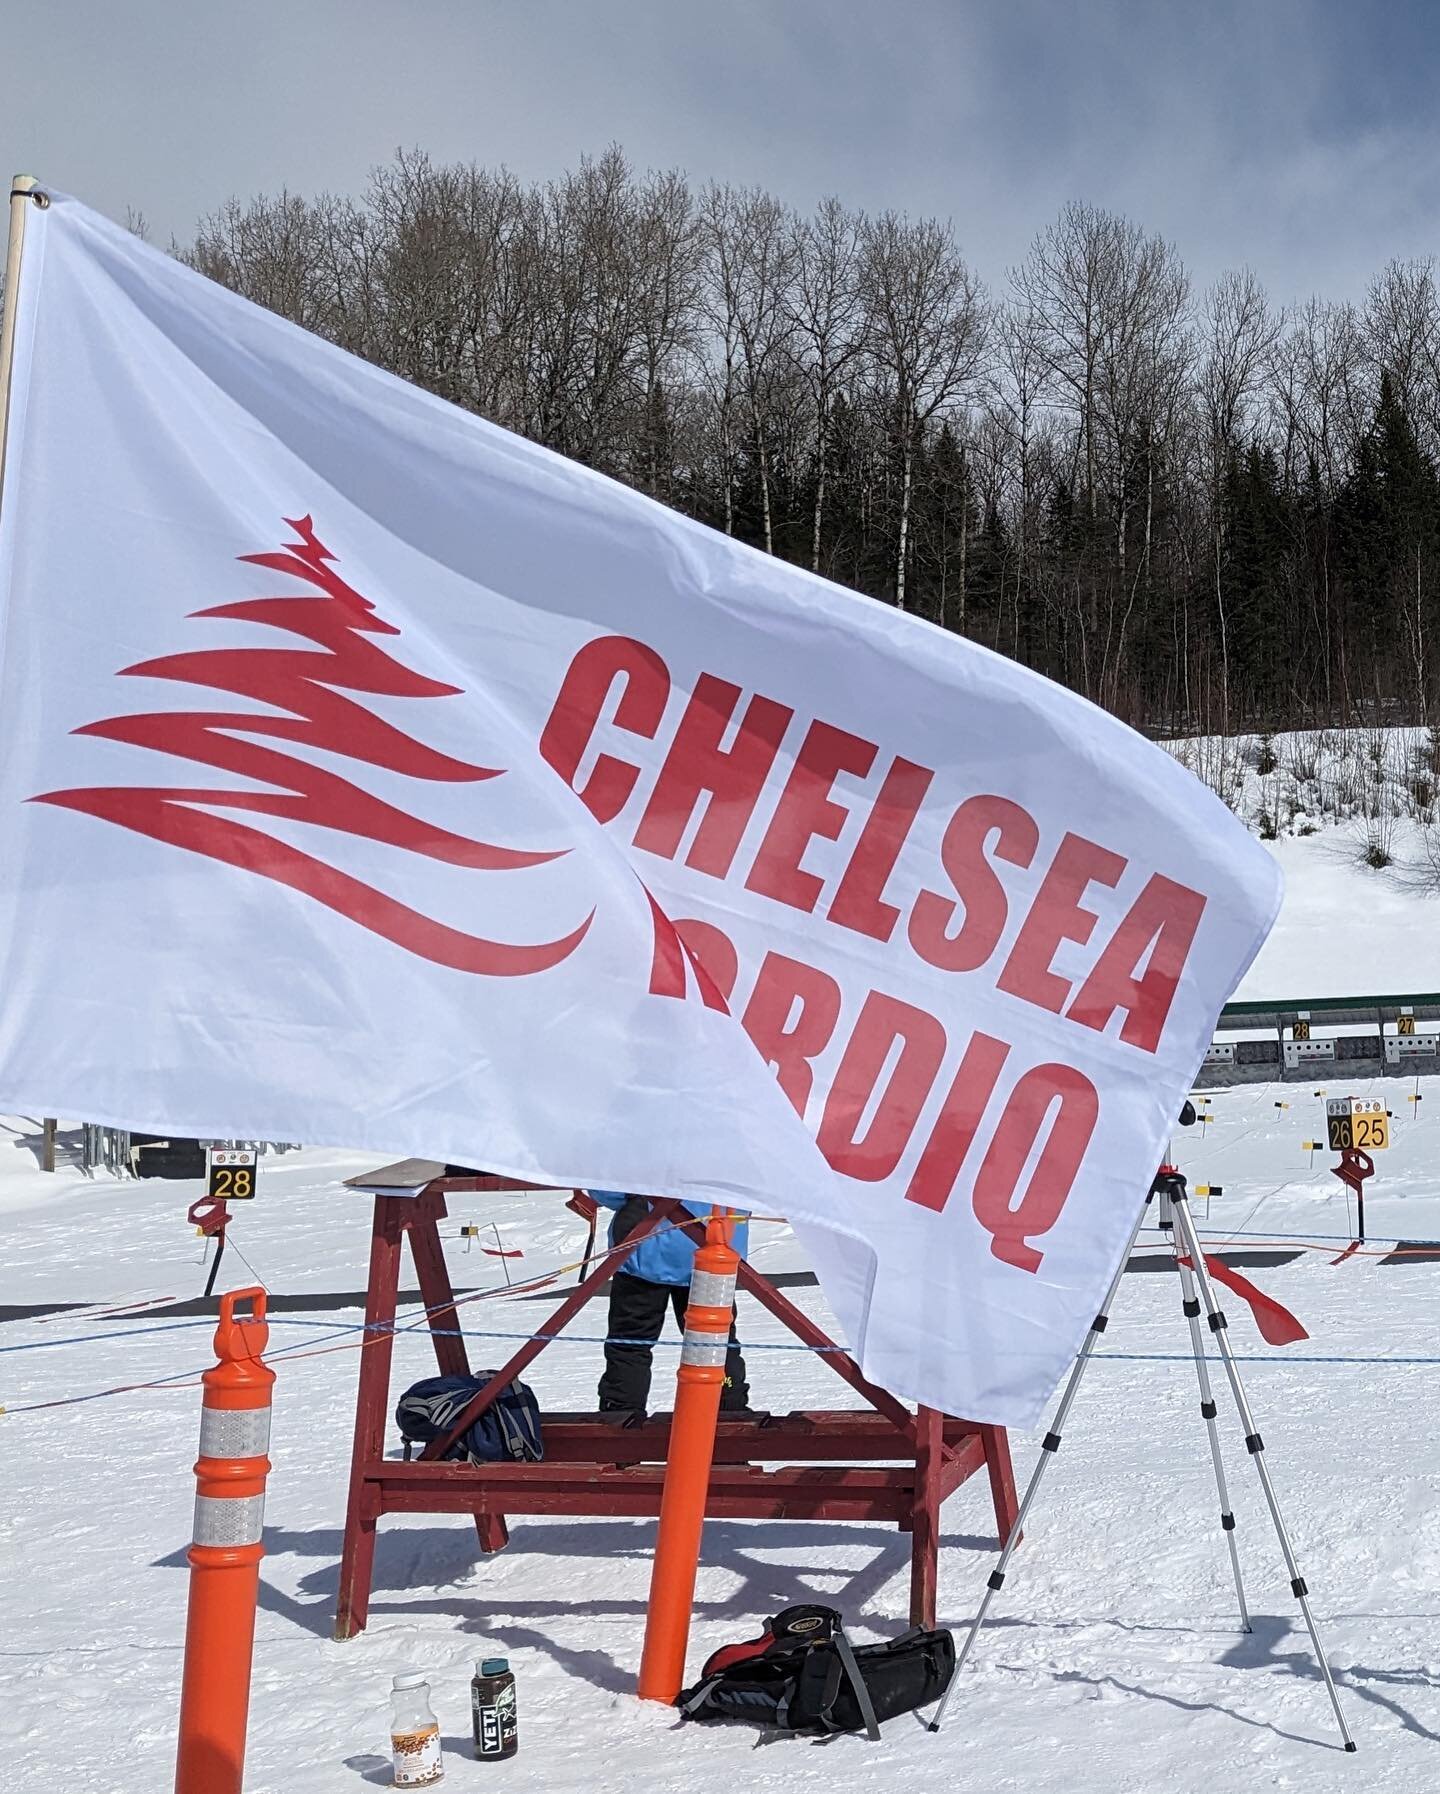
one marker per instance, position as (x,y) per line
(877,1463)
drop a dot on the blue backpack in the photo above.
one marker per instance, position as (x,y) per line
(507,1432)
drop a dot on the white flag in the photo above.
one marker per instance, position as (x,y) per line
(372,776)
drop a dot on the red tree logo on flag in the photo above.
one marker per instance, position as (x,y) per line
(305,688)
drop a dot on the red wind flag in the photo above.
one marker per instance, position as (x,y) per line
(1277,1326)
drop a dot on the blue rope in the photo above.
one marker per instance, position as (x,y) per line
(1282,1356)
(757,1345)
(1374,1239)
(35,1345)
(613,1339)
(665,1344)
(189,1375)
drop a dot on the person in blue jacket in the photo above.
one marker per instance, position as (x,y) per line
(656,1276)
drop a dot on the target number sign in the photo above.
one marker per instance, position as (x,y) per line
(1357,1121)
(230,1173)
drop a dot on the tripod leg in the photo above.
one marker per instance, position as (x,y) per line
(1208,1412)
(1049,1446)
(1185,1226)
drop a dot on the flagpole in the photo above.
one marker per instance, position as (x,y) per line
(23,188)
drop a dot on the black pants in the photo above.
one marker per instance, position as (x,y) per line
(637,1311)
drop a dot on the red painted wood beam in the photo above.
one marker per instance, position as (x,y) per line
(930,1464)
(826,1435)
(800,1324)
(372,1404)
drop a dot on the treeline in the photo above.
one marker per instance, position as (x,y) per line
(1201,510)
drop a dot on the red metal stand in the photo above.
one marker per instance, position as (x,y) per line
(1354,1167)
(877,1463)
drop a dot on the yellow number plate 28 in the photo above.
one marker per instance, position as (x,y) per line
(230,1175)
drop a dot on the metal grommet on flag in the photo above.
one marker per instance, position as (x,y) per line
(225,1552)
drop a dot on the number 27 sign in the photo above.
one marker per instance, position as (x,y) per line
(1361,1121)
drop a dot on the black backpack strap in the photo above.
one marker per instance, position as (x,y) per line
(857,1682)
(698,1696)
(813,1682)
(830,1688)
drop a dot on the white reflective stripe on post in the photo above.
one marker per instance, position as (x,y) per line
(229,1520)
(234,1432)
(712,1289)
(704,1348)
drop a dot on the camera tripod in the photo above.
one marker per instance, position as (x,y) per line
(1197,1290)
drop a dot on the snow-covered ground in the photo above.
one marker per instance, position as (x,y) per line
(1353,817)
(1113,1666)
(1346,929)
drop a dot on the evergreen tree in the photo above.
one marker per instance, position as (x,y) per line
(945,533)
(1387,523)
(1255,569)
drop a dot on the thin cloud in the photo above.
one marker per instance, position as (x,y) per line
(1296,137)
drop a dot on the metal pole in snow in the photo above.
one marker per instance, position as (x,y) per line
(1185,1225)
(1191,1304)
(500,1253)
(1049,1446)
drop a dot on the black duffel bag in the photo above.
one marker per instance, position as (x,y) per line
(803,1674)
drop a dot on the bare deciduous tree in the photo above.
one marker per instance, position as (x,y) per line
(926,328)
(1196,513)
(825,307)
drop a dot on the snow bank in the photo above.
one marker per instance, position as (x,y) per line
(1351,816)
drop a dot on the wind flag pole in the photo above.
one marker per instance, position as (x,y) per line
(689,1455)
(22,189)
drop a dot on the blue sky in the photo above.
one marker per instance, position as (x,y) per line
(1299,136)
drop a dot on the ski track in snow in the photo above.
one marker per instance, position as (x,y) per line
(1113,1662)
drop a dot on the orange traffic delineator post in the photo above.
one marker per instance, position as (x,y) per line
(691,1451)
(225,1556)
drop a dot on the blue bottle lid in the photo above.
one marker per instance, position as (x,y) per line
(494,1666)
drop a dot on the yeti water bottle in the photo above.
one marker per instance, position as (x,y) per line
(492,1710)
